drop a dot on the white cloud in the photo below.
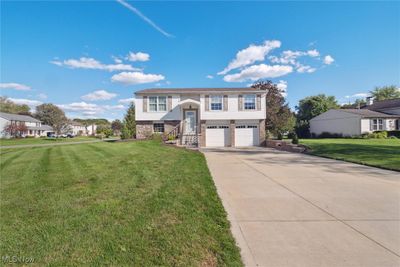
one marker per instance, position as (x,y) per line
(250,55)
(257,72)
(210,77)
(282,86)
(358,95)
(126,100)
(305,68)
(42,96)
(80,107)
(99,95)
(136,78)
(91,63)
(117,60)
(139,56)
(313,53)
(328,60)
(114,107)
(143,17)
(22,101)
(15,86)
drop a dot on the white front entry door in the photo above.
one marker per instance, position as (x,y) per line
(190,121)
(246,135)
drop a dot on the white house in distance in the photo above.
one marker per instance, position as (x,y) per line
(77,128)
(209,117)
(35,127)
(375,116)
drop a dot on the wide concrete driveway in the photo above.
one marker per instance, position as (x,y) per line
(297,210)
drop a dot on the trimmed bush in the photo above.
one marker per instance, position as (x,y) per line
(394,133)
(295,139)
(330,135)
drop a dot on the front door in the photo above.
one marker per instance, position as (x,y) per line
(190,121)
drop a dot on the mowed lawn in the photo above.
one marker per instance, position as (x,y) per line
(375,152)
(134,203)
(45,140)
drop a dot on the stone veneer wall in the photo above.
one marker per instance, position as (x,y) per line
(202,133)
(262,133)
(169,126)
(232,128)
(144,129)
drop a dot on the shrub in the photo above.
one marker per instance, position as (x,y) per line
(156,137)
(330,135)
(394,133)
(279,136)
(295,139)
(378,134)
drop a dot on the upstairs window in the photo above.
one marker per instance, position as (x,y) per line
(157,103)
(216,102)
(377,124)
(249,102)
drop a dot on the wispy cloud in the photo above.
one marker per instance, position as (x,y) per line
(91,63)
(15,86)
(98,95)
(142,16)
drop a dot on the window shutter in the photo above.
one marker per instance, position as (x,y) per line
(225,103)
(144,103)
(240,102)
(258,103)
(169,103)
(207,103)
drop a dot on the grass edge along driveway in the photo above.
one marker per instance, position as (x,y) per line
(382,153)
(137,203)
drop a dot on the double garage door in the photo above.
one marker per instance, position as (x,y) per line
(219,135)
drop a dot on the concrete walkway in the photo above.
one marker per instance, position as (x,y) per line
(297,210)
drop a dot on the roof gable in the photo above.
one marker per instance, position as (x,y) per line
(17,117)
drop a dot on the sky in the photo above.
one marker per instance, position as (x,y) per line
(89,57)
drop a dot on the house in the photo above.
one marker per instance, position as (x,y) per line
(206,117)
(35,127)
(375,116)
(77,128)
(91,129)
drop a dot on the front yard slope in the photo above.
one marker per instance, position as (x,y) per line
(137,204)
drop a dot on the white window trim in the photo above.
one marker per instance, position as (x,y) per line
(244,102)
(222,103)
(157,104)
(377,124)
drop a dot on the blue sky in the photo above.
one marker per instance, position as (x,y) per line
(90,57)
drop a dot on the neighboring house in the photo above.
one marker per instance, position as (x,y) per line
(77,128)
(35,127)
(209,117)
(91,129)
(377,116)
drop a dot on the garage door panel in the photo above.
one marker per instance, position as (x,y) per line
(246,135)
(217,136)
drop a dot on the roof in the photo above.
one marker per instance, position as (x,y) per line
(195,90)
(366,113)
(42,128)
(384,104)
(17,117)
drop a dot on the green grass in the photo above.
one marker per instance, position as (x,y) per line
(384,153)
(120,204)
(32,141)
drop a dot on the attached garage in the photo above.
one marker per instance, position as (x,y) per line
(246,135)
(218,136)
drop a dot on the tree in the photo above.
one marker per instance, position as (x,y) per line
(116,126)
(385,92)
(129,127)
(52,115)
(280,118)
(15,130)
(358,103)
(104,130)
(310,107)
(8,106)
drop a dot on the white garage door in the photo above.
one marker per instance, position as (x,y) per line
(217,135)
(246,135)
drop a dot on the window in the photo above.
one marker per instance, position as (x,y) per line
(158,103)
(240,126)
(249,102)
(377,124)
(158,127)
(216,102)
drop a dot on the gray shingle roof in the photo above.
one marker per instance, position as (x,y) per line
(384,104)
(193,90)
(366,113)
(16,117)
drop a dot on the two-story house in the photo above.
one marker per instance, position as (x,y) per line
(208,117)
(34,127)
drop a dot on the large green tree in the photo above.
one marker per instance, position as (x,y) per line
(129,124)
(310,107)
(385,92)
(54,116)
(279,117)
(8,106)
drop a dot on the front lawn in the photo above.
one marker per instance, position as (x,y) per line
(383,153)
(42,140)
(119,204)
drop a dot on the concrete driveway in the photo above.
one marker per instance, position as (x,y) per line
(296,210)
